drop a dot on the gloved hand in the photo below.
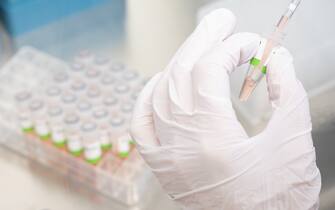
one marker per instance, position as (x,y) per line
(185,128)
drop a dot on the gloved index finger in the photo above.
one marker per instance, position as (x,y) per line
(217,25)
(211,73)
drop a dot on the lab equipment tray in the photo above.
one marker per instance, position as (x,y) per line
(124,178)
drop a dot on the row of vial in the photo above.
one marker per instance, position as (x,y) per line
(85,110)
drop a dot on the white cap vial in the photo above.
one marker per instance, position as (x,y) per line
(123,146)
(73,135)
(117,67)
(92,148)
(26,122)
(56,126)
(84,57)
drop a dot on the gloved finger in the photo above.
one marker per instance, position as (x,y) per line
(210,79)
(142,127)
(281,78)
(211,73)
(215,27)
(291,117)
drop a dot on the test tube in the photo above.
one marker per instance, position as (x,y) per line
(101,63)
(41,126)
(123,145)
(53,94)
(100,115)
(258,64)
(122,90)
(25,119)
(60,77)
(127,108)
(55,113)
(92,148)
(84,57)
(68,98)
(84,107)
(107,80)
(116,69)
(78,85)
(74,138)
(93,92)
(118,129)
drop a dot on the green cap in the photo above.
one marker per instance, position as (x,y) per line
(45,137)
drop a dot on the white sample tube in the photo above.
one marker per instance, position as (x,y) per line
(41,126)
(78,85)
(25,119)
(84,57)
(56,125)
(123,146)
(73,134)
(101,63)
(100,116)
(92,148)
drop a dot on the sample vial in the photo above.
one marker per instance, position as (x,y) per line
(25,118)
(134,95)
(93,92)
(92,73)
(22,96)
(84,106)
(26,122)
(117,125)
(56,125)
(92,148)
(53,93)
(58,135)
(122,91)
(60,77)
(41,127)
(255,73)
(123,146)
(117,67)
(78,85)
(77,67)
(127,108)
(101,63)
(107,80)
(73,134)
(68,98)
(104,138)
(84,57)
(109,101)
(100,116)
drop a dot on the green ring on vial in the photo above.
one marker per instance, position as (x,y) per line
(77,152)
(45,137)
(123,154)
(132,142)
(28,130)
(60,144)
(255,62)
(106,147)
(93,161)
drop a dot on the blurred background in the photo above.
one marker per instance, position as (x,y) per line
(144,35)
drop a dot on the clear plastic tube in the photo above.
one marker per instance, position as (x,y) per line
(258,67)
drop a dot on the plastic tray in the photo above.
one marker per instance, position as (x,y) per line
(123,179)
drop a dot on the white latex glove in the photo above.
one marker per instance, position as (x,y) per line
(185,128)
